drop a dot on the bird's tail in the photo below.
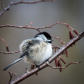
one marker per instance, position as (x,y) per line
(12,63)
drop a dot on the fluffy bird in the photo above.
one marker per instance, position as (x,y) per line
(35,50)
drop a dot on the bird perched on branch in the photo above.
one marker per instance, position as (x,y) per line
(35,50)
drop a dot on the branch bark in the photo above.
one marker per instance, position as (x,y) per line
(55,55)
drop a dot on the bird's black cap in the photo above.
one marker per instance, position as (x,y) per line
(47,35)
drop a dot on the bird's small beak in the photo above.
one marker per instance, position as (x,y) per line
(51,40)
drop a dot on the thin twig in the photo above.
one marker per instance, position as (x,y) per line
(55,55)
(55,46)
(7,48)
(10,77)
(9,52)
(66,25)
(62,42)
(65,66)
(28,27)
(11,74)
(2,4)
(37,28)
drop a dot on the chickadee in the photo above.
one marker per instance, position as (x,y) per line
(35,50)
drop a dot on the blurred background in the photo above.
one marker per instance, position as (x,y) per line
(43,14)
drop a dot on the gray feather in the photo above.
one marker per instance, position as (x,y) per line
(19,59)
(12,63)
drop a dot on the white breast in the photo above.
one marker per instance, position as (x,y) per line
(47,52)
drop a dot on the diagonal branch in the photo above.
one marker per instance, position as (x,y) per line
(60,51)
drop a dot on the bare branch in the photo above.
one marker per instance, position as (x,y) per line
(55,55)
(37,28)
(20,2)
(28,27)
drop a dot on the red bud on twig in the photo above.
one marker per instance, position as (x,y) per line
(55,50)
(76,32)
(32,66)
(71,36)
(66,52)
(56,62)
(7,48)
(62,60)
(36,73)
(59,65)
